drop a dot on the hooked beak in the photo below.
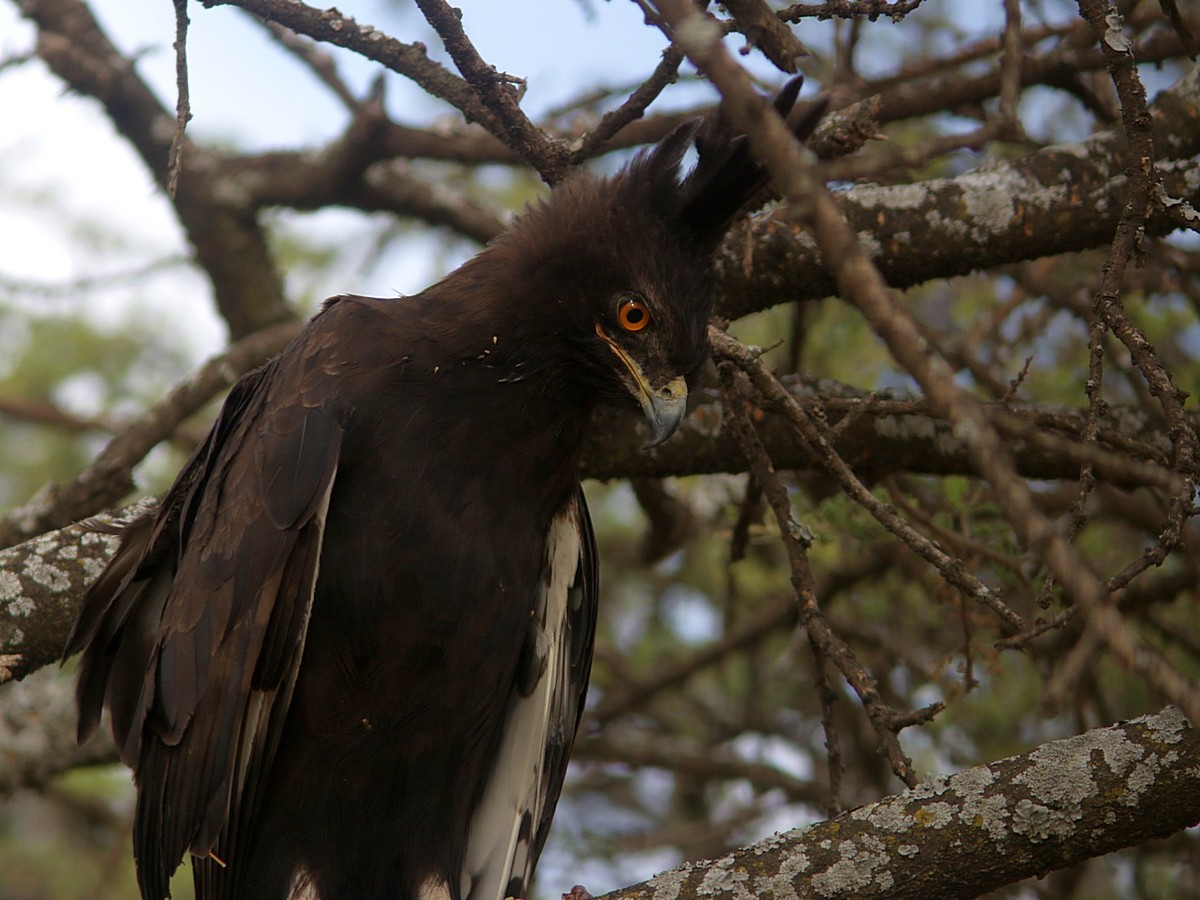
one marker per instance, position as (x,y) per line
(663,406)
(664,409)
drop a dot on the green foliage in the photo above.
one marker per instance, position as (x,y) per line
(85,372)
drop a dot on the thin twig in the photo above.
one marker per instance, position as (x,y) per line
(183,108)
(795,539)
(1107,24)
(634,106)
(835,765)
(774,394)
(547,156)
(1010,67)
(410,60)
(313,57)
(860,283)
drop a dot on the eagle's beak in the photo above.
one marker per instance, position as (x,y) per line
(663,406)
(664,409)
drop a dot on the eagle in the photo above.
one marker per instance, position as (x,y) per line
(347,654)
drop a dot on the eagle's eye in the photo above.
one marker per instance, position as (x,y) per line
(633,314)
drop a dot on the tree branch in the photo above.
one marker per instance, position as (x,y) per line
(330,26)
(1046,445)
(109,477)
(229,243)
(41,587)
(1058,200)
(1051,808)
(860,283)
(497,93)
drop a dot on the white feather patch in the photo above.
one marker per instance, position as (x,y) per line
(302,887)
(497,849)
(433,889)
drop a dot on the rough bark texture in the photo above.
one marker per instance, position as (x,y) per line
(41,586)
(1058,200)
(975,831)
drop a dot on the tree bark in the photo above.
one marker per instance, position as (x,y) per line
(42,581)
(988,826)
(950,837)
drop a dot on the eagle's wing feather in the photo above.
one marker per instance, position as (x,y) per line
(194,633)
(510,825)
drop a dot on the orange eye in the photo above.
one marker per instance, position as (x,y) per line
(633,314)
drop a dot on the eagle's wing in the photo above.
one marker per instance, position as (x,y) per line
(511,823)
(193,634)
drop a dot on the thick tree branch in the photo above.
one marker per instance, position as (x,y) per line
(41,587)
(1046,445)
(229,243)
(1058,200)
(1131,450)
(1051,808)
(956,837)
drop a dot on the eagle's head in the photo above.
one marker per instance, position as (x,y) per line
(618,269)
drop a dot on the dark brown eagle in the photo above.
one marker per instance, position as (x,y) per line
(347,656)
